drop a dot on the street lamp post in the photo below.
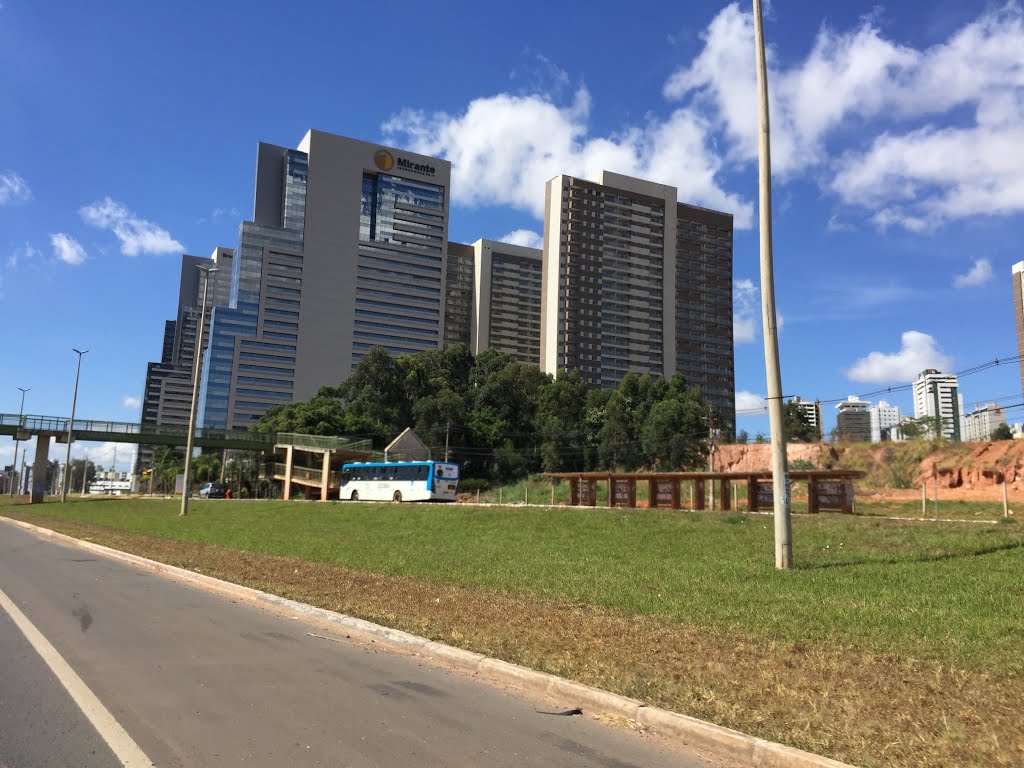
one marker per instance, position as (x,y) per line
(71,427)
(196,365)
(21,411)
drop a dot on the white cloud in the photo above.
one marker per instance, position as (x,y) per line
(745,306)
(747,403)
(13,189)
(221,212)
(504,148)
(136,235)
(979,274)
(526,237)
(67,249)
(130,402)
(880,99)
(917,352)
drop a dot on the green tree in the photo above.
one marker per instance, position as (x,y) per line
(205,468)
(322,414)
(797,426)
(561,413)
(742,438)
(625,415)
(1002,432)
(375,397)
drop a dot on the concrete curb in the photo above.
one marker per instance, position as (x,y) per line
(689,731)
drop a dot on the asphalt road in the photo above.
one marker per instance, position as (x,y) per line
(197,679)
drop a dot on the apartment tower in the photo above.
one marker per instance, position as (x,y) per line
(633,280)
(347,250)
(936,396)
(507,288)
(1017,274)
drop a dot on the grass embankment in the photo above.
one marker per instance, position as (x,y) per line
(890,644)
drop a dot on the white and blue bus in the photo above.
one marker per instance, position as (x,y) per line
(399,481)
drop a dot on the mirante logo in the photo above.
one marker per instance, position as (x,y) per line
(384,160)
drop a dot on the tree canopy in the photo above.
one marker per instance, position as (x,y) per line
(502,419)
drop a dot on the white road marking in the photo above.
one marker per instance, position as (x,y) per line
(122,745)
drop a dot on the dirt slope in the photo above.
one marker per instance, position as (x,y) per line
(971,469)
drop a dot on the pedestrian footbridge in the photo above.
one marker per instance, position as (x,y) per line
(47,428)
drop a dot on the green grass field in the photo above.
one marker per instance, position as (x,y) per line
(943,592)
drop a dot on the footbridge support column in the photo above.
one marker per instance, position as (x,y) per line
(39,466)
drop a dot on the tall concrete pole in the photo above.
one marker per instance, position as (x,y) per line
(21,411)
(196,365)
(71,428)
(780,473)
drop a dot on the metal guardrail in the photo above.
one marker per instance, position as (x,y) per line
(324,442)
(165,434)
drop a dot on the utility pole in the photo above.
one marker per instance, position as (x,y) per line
(85,469)
(71,427)
(196,366)
(21,410)
(711,456)
(447,429)
(780,471)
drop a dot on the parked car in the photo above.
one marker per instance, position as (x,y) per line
(213,491)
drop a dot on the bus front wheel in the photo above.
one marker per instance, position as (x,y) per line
(398,496)
(355,495)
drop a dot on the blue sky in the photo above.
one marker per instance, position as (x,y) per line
(128,135)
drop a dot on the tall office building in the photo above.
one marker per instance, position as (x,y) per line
(347,250)
(853,422)
(936,395)
(1017,274)
(633,280)
(506,312)
(167,396)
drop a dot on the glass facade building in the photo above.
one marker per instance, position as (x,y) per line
(346,250)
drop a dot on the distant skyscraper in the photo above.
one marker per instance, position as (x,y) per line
(168,390)
(347,250)
(936,395)
(853,422)
(506,313)
(633,280)
(1017,275)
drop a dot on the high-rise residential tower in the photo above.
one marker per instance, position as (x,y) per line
(634,280)
(936,396)
(884,420)
(1017,274)
(346,250)
(506,310)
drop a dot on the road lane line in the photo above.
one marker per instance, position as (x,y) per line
(122,745)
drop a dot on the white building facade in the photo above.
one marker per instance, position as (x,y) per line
(884,419)
(937,394)
(983,421)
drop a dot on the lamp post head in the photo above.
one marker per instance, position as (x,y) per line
(79,351)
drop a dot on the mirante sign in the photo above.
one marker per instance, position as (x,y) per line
(385,161)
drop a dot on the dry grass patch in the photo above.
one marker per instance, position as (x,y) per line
(866,708)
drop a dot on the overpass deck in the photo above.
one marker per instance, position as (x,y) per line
(166,434)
